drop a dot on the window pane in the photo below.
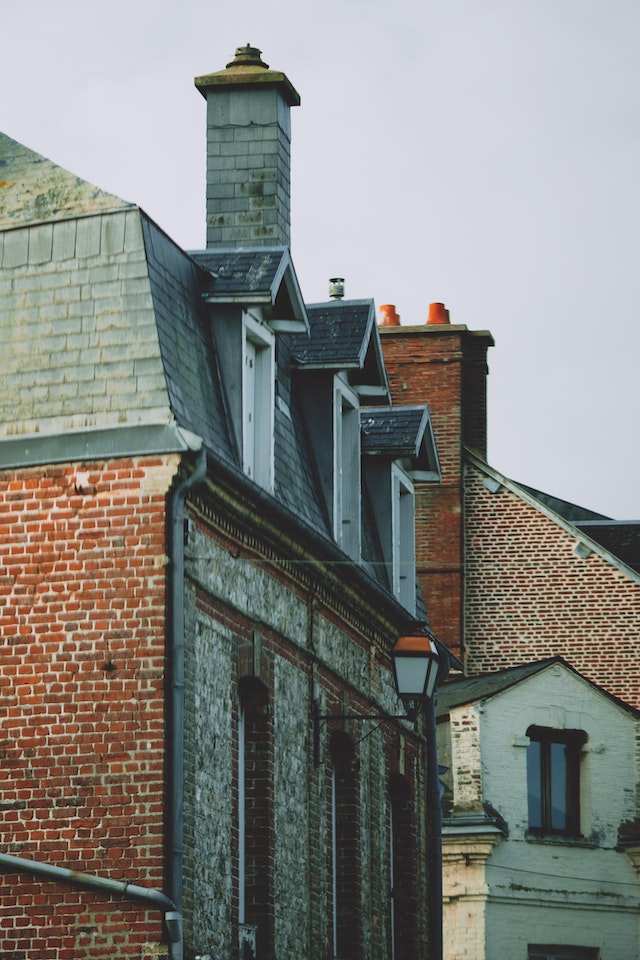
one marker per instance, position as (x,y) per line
(534,785)
(558,786)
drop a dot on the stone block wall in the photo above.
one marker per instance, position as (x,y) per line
(245,620)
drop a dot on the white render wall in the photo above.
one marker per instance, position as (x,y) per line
(542,890)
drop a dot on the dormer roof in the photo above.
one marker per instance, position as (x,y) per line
(260,276)
(402,433)
(344,336)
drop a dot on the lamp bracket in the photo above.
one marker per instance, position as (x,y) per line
(319,719)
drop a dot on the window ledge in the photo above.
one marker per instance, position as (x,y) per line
(561,840)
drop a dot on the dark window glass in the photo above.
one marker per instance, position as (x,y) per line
(553,780)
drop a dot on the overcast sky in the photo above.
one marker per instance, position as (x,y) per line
(484,153)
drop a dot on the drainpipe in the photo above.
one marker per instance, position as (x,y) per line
(86,881)
(175,740)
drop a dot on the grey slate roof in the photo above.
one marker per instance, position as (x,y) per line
(261,275)
(395,432)
(401,433)
(570,511)
(185,343)
(340,331)
(34,190)
(619,537)
(459,691)
(238,273)
(464,690)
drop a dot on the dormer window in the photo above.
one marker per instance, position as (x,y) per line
(258,399)
(346,472)
(398,450)
(403,525)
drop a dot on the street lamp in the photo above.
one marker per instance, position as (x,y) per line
(415,667)
(415,670)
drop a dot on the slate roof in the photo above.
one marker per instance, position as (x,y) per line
(395,432)
(619,537)
(34,190)
(570,511)
(241,273)
(459,691)
(185,343)
(340,331)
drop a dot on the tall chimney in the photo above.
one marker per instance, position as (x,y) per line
(248,152)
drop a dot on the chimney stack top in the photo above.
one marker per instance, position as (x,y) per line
(247,56)
(389,316)
(246,69)
(438,313)
(336,288)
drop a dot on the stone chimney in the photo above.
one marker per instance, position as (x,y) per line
(248,152)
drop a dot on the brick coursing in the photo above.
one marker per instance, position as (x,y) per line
(82,615)
(529,596)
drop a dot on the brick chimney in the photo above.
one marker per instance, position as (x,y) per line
(248,152)
(445,366)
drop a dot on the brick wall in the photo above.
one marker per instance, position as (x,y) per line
(528,596)
(444,367)
(82,615)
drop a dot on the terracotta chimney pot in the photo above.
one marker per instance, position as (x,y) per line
(438,313)
(389,317)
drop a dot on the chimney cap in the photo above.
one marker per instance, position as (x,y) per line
(389,316)
(438,313)
(248,56)
(336,288)
(248,69)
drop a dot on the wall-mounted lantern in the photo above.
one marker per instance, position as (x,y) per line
(415,668)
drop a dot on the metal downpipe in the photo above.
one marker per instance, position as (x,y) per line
(87,881)
(175,740)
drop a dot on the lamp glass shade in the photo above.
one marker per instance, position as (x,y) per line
(415,663)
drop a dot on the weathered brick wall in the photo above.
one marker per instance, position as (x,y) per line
(441,367)
(245,619)
(529,596)
(82,628)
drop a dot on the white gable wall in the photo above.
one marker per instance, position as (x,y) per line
(527,889)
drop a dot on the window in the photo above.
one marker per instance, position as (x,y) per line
(345,851)
(562,953)
(553,780)
(403,870)
(258,399)
(346,452)
(255,820)
(403,536)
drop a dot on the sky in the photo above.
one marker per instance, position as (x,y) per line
(481,153)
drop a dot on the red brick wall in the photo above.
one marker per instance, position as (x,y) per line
(528,596)
(444,367)
(82,630)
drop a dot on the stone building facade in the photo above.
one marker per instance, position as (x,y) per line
(198,599)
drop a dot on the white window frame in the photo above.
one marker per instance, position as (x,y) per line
(346,469)
(258,401)
(403,537)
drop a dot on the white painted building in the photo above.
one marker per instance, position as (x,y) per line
(540,817)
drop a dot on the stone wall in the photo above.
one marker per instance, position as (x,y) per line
(247,619)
